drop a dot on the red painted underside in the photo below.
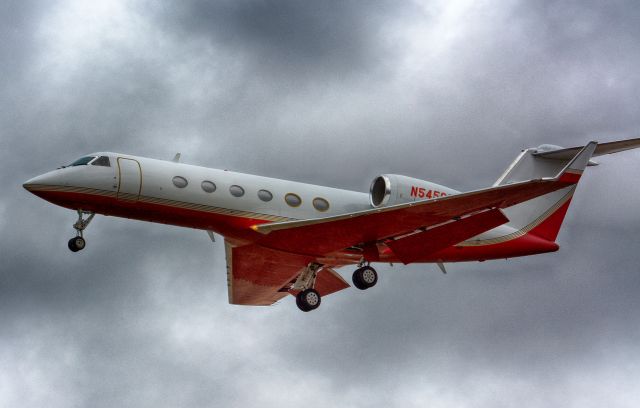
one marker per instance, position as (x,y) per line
(238,229)
(523,246)
(261,276)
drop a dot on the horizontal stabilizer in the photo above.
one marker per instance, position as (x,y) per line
(602,149)
(529,166)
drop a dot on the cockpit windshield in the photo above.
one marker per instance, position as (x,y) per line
(93,160)
(82,161)
(101,161)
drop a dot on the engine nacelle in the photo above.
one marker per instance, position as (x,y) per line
(390,189)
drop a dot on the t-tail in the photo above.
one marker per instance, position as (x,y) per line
(543,216)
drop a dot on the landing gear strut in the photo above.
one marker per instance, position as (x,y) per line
(308,298)
(78,243)
(365,277)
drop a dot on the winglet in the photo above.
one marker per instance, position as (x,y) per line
(441,266)
(176,158)
(572,172)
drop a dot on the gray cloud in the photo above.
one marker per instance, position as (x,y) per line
(320,41)
(332,93)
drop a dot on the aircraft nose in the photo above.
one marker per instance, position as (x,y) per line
(28,185)
(42,180)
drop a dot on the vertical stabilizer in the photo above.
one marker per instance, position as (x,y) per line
(543,216)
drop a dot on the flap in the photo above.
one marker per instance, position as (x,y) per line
(415,246)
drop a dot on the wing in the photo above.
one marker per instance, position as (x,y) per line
(318,237)
(261,276)
(326,235)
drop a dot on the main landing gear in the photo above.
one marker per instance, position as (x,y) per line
(308,298)
(365,277)
(78,243)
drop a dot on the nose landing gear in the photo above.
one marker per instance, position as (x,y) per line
(78,243)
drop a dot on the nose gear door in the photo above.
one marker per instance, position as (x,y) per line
(129,179)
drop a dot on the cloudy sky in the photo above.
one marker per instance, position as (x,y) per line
(333,93)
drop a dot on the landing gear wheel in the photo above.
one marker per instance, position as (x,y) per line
(77,244)
(308,300)
(365,277)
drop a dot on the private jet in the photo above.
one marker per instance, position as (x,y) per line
(288,238)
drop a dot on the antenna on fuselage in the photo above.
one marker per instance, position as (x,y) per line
(176,158)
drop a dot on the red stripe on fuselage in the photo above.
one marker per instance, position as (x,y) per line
(235,227)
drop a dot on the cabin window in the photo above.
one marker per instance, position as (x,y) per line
(208,186)
(293,200)
(101,161)
(236,191)
(83,161)
(265,195)
(320,204)
(180,182)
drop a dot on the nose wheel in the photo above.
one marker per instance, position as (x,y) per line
(78,243)
(365,277)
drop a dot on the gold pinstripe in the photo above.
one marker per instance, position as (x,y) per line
(162,201)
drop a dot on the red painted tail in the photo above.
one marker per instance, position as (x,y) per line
(550,227)
(543,216)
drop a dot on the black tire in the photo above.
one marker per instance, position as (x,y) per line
(72,245)
(76,244)
(365,278)
(357,280)
(308,300)
(299,303)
